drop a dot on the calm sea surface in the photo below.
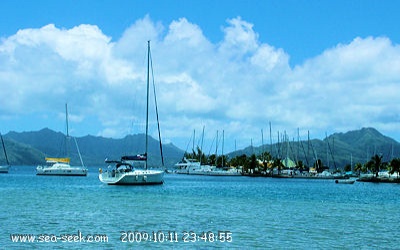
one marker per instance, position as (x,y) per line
(250,213)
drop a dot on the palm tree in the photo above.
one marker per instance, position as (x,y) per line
(347,168)
(277,164)
(375,164)
(318,166)
(239,161)
(221,161)
(212,160)
(395,164)
(265,157)
(199,155)
(253,162)
(358,167)
(300,166)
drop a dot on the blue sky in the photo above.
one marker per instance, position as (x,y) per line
(304,28)
(323,66)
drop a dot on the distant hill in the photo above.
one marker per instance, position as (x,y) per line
(20,154)
(94,149)
(363,144)
(338,149)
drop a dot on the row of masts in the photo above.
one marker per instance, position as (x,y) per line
(279,149)
(286,149)
(217,142)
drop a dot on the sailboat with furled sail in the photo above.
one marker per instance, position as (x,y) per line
(124,171)
(61,166)
(4,169)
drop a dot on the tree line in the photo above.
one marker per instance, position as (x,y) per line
(264,162)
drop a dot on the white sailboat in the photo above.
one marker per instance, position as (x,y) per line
(4,169)
(187,166)
(124,171)
(194,167)
(61,166)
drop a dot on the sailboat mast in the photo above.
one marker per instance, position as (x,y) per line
(201,146)
(262,144)
(4,148)
(147,100)
(67,130)
(216,148)
(222,151)
(194,138)
(270,138)
(66,118)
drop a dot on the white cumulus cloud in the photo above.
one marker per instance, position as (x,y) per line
(238,84)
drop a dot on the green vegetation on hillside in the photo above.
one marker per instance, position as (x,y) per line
(345,150)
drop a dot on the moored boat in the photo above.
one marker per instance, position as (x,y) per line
(381,177)
(123,172)
(4,169)
(193,167)
(344,181)
(185,166)
(60,167)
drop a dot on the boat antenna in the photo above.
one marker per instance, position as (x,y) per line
(147,100)
(155,102)
(4,148)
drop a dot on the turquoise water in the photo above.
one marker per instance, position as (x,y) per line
(248,212)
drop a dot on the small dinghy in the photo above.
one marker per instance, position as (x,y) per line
(347,181)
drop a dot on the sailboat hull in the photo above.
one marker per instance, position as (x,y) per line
(4,169)
(63,173)
(61,169)
(135,177)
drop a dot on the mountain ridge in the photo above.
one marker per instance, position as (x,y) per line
(336,150)
(94,149)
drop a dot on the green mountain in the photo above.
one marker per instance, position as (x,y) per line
(94,149)
(335,151)
(20,153)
